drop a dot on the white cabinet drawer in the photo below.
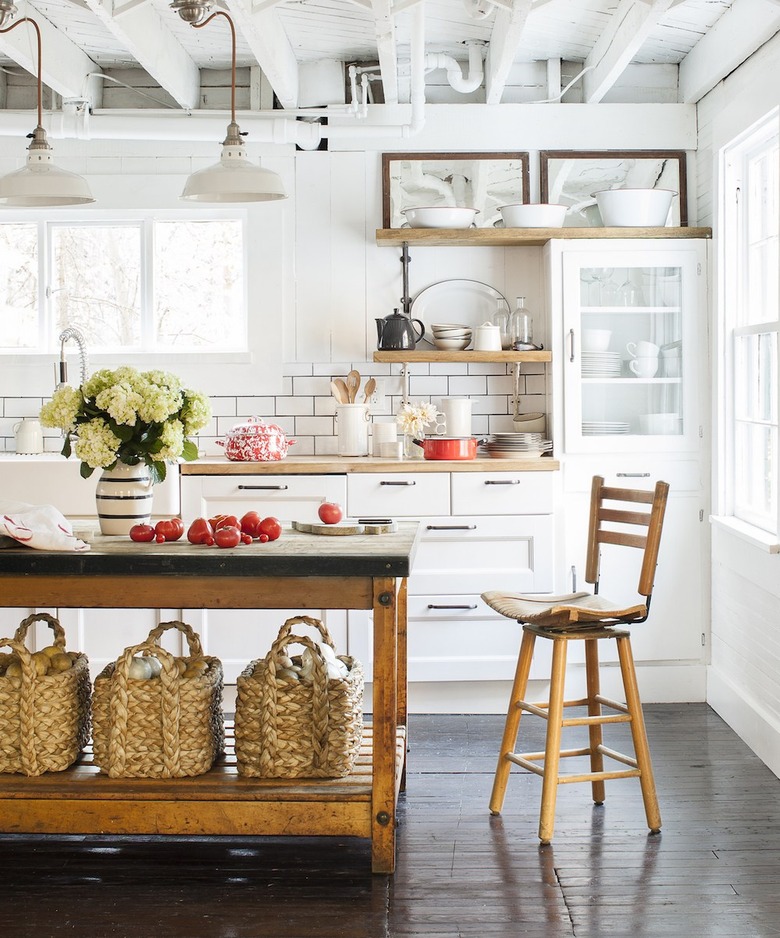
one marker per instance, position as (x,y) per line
(633,471)
(398,494)
(286,497)
(478,553)
(502,493)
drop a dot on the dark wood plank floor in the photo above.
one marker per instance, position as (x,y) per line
(713,871)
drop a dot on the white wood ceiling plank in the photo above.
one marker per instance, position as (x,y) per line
(626,32)
(742,29)
(504,42)
(384,28)
(271,47)
(65,68)
(146,36)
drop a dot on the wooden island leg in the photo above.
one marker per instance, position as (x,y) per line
(385,703)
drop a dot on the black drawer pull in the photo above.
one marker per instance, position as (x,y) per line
(264,488)
(633,475)
(453,606)
(408,482)
(451,527)
(502,482)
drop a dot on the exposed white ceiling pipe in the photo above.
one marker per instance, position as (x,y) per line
(279,127)
(454,75)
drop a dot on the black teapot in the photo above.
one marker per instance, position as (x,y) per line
(398,332)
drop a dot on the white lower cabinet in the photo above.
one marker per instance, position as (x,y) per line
(478,531)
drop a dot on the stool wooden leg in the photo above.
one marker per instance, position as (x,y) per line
(639,734)
(512,725)
(552,746)
(595,734)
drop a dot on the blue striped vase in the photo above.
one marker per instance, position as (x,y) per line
(124,498)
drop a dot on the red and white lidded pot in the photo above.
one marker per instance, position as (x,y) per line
(256,441)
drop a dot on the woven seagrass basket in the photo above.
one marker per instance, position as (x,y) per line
(44,721)
(165,727)
(291,729)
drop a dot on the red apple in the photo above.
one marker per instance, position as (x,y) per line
(330,513)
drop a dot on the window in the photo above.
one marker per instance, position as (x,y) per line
(141,284)
(751,319)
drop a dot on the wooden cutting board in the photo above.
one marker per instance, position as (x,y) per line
(345,528)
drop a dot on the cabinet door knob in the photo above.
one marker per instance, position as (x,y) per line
(502,482)
(451,527)
(265,488)
(408,482)
(452,605)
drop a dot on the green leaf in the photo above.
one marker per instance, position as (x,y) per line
(85,470)
(189,451)
(66,450)
(159,471)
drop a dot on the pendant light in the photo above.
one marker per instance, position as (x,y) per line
(40,183)
(234,178)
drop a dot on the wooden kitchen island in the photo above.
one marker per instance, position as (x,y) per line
(298,571)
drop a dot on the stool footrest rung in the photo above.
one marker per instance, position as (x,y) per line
(617,756)
(529,760)
(613,704)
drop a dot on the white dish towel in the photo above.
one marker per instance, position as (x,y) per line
(43,527)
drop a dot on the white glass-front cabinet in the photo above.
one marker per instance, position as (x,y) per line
(630,314)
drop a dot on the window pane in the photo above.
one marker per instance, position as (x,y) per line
(19,286)
(760,274)
(199,284)
(96,283)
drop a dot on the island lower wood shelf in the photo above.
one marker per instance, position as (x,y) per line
(521,237)
(80,800)
(409,356)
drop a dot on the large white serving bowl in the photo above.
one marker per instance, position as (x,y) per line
(440,216)
(539,215)
(452,345)
(634,208)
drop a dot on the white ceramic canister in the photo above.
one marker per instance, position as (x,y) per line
(385,431)
(457,416)
(487,338)
(352,429)
(28,436)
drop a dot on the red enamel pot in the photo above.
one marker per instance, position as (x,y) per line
(449,447)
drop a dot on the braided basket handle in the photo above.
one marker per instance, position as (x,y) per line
(320,700)
(193,640)
(170,706)
(54,625)
(27,740)
(308,620)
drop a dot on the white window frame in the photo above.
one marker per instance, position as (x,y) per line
(731,294)
(256,370)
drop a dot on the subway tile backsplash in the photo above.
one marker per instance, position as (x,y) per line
(306,411)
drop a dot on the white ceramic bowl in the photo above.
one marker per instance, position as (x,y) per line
(436,326)
(596,340)
(451,345)
(533,216)
(634,208)
(440,216)
(452,333)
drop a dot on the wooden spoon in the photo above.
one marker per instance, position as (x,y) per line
(369,389)
(339,390)
(353,384)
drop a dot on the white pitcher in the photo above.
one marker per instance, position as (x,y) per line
(28,436)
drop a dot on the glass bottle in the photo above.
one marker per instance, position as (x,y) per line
(521,325)
(501,318)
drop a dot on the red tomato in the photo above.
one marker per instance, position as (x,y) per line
(330,513)
(142,532)
(226,521)
(249,523)
(272,527)
(215,521)
(200,532)
(169,530)
(227,536)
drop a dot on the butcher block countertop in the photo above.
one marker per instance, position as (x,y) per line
(336,465)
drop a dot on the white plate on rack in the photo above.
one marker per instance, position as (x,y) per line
(468,302)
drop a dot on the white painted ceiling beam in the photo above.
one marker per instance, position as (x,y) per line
(624,35)
(384,28)
(742,29)
(504,42)
(145,35)
(265,36)
(65,68)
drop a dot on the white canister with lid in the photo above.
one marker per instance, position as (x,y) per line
(28,436)
(487,338)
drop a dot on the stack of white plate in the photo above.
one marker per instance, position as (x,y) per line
(601,365)
(450,336)
(516,445)
(604,427)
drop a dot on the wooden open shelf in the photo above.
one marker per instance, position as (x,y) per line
(434,355)
(518,237)
(82,801)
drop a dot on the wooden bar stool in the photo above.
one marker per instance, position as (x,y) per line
(590,618)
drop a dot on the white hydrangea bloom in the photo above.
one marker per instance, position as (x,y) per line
(172,439)
(121,402)
(196,412)
(96,445)
(63,409)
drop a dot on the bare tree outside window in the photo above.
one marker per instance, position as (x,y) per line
(19,323)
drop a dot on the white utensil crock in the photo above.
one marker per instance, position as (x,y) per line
(352,429)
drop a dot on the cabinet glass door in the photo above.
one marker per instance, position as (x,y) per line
(629,330)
